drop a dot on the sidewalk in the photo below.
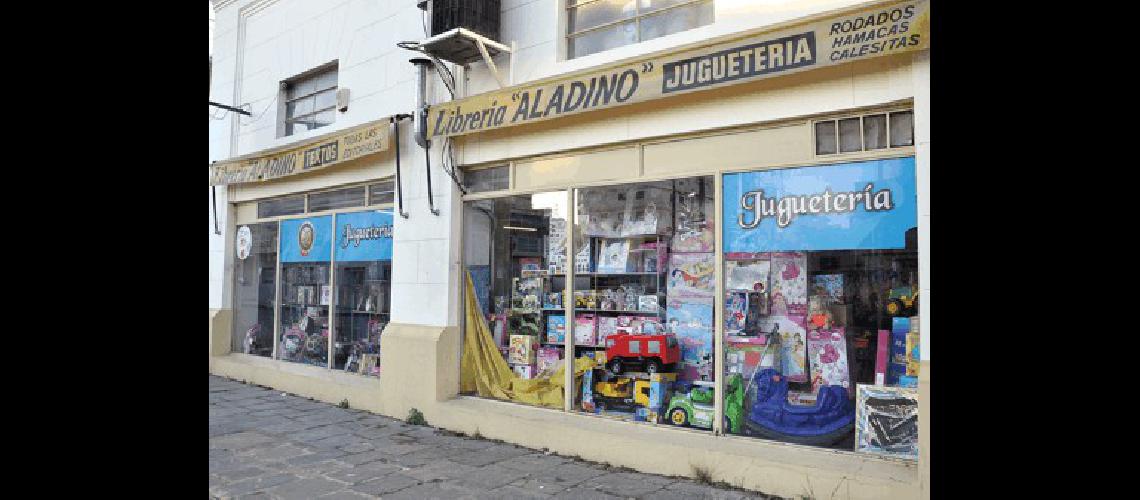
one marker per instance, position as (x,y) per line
(264,444)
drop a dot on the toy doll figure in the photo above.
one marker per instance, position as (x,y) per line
(779,303)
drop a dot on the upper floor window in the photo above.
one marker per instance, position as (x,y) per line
(597,25)
(310,100)
(865,133)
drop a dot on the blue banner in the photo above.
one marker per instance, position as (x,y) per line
(364,236)
(306,240)
(861,205)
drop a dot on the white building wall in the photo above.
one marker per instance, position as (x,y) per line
(258,44)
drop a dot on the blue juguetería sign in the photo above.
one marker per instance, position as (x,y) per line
(848,206)
(364,236)
(306,240)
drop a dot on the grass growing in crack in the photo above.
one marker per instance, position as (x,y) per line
(702,474)
(342,404)
(476,434)
(415,417)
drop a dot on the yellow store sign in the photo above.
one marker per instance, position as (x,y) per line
(865,34)
(313,155)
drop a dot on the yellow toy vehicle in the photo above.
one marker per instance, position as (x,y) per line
(902,299)
(623,393)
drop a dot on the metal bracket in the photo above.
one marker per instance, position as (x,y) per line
(463,46)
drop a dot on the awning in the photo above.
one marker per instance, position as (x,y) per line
(313,154)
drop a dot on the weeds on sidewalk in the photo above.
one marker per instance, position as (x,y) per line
(415,417)
(342,404)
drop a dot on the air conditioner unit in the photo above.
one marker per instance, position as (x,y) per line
(480,16)
(463,30)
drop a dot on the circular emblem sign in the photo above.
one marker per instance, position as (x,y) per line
(244,242)
(305,238)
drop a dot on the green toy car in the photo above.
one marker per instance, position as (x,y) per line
(695,406)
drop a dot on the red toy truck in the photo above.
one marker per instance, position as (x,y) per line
(655,351)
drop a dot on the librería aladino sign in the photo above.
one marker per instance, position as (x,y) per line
(313,155)
(858,35)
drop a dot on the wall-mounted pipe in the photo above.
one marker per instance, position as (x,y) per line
(399,180)
(421,121)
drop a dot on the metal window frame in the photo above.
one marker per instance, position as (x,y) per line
(636,18)
(283,107)
(862,131)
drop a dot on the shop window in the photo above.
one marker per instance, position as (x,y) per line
(850,135)
(292,205)
(341,198)
(902,129)
(363,263)
(515,255)
(381,193)
(864,133)
(255,283)
(875,132)
(825,138)
(306,294)
(599,25)
(645,262)
(309,101)
(821,305)
(487,179)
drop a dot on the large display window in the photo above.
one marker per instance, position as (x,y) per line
(255,286)
(802,328)
(821,305)
(306,293)
(515,251)
(363,266)
(643,298)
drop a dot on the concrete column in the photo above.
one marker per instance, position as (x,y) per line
(921,72)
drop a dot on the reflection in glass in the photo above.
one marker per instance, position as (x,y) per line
(825,138)
(255,283)
(850,135)
(875,132)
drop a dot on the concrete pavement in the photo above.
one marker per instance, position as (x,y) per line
(264,444)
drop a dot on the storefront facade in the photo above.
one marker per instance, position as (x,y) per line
(761,228)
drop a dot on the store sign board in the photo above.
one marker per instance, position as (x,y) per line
(306,240)
(865,34)
(364,236)
(313,155)
(861,205)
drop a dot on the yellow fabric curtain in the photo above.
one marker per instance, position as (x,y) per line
(484,371)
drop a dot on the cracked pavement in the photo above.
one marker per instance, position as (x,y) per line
(266,444)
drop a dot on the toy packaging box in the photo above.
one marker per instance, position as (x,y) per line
(588,391)
(556,247)
(745,355)
(531,266)
(886,421)
(691,275)
(613,256)
(747,275)
(585,332)
(524,371)
(694,209)
(691,321)
(896,364)
(788,294)
(556,328)
(547,359)
(827,350)
(735,311)
(607,325)
(793,344)
(912,353)
(882,356)
(522,349)
(831,286)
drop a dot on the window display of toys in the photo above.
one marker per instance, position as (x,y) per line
(771,416)
(548,359)
(524,371)
(653,352)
